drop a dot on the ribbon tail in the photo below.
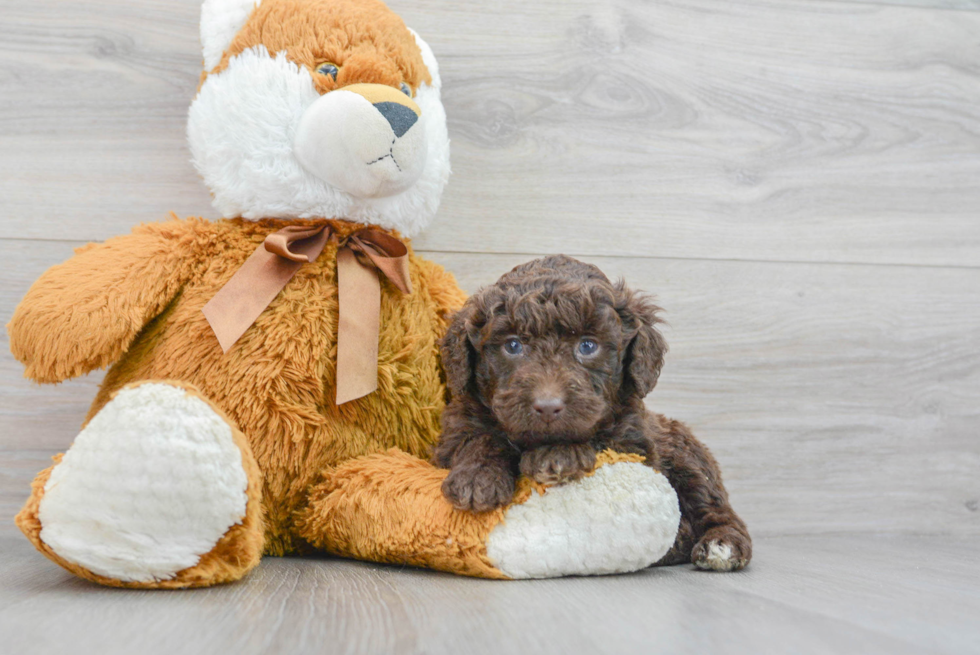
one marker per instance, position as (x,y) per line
(256,284)
(358,327)
(246,295)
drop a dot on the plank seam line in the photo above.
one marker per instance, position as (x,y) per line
(902,5)
(965,267)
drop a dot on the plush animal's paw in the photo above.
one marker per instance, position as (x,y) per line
(151,485)
(624,517)
(478,488)
(724,548)
(558,463)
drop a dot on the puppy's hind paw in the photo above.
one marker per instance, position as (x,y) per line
(722,549)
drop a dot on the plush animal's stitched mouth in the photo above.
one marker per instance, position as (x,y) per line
(391,154)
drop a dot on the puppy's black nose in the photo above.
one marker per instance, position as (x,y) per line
(548,408)
(400,117)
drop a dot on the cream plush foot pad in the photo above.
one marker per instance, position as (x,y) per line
(150,485)
(622,518)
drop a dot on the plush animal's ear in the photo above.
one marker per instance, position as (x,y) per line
(429,59)
(220,22)
(646,347)
(458,354)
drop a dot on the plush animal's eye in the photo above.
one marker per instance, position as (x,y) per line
(513,347)
(588,347)
(326,68)
(406,89)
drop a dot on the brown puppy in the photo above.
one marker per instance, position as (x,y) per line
(549,366)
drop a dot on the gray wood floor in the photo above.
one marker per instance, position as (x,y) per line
(796,180)
(804,594)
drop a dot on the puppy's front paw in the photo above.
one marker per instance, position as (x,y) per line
(478,489)
(724,548)
(558,463)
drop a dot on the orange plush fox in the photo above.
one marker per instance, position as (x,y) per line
(217,435)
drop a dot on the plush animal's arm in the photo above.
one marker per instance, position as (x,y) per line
(442,288)
(84,313)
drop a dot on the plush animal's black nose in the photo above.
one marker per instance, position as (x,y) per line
(548,407)
(400,117)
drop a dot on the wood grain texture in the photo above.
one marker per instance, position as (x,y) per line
(837,398)
(696,148)
(956,5)
(772,131)
(829,594)
(791,130)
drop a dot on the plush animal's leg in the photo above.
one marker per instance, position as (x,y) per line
(390,508)
(158,490)
(712,535)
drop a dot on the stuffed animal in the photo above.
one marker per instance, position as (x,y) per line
(274,382)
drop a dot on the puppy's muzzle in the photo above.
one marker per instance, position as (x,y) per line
(548,408)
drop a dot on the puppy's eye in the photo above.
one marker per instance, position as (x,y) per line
(513,347)
(326,68)
(406,89)
(587,347)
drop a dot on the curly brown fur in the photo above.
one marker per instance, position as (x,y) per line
(548,367)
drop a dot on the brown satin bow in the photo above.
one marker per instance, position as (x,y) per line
(359,258)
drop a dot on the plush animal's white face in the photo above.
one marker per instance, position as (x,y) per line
(269,144)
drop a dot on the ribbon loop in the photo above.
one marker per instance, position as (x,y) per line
(387,253)
(360,258)
(308,241)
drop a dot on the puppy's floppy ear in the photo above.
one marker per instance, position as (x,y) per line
(646,347)
(458,354)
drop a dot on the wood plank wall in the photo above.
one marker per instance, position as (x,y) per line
(797,180)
